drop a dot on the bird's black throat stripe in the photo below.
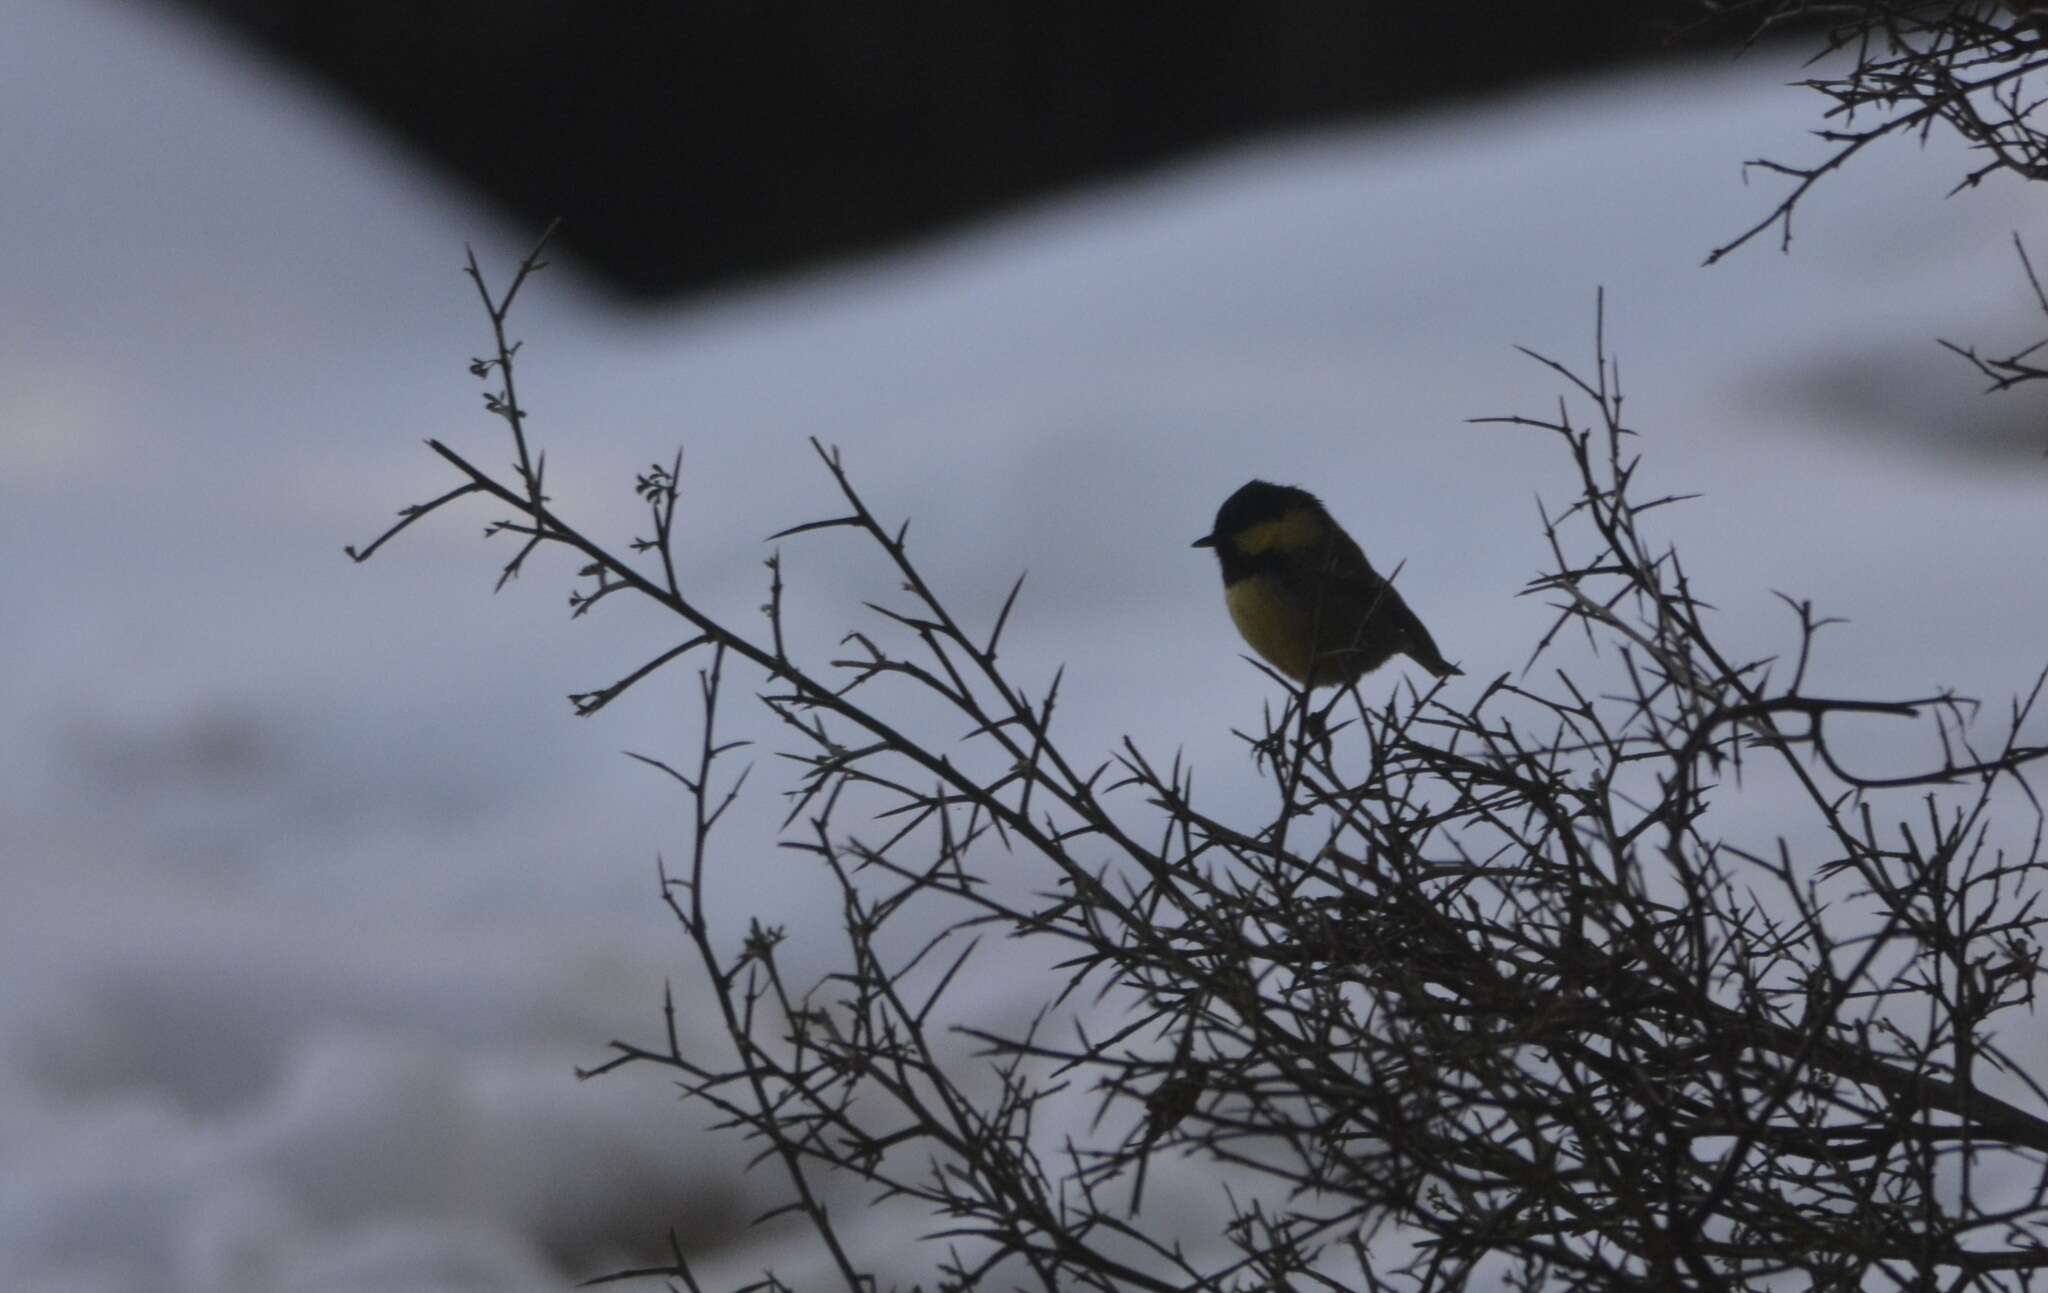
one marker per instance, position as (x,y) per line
(1239,566)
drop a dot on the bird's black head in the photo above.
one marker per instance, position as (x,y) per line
(1264,518)
(1258,502)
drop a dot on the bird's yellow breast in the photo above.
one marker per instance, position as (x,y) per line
(1272,623)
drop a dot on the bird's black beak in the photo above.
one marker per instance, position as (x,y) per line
(1206,541)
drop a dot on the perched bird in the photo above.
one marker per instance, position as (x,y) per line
(1304,596)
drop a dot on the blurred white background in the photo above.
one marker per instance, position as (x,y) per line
(315,892)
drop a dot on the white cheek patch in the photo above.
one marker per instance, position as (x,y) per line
(1296,530)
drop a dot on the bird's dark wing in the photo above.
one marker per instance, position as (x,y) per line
(1415,639)
(1344,561)
(1391,622)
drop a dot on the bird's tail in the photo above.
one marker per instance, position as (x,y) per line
(1433,660)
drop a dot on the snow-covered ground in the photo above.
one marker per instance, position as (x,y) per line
(315,893)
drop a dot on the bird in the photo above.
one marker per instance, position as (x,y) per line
(1303,595)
